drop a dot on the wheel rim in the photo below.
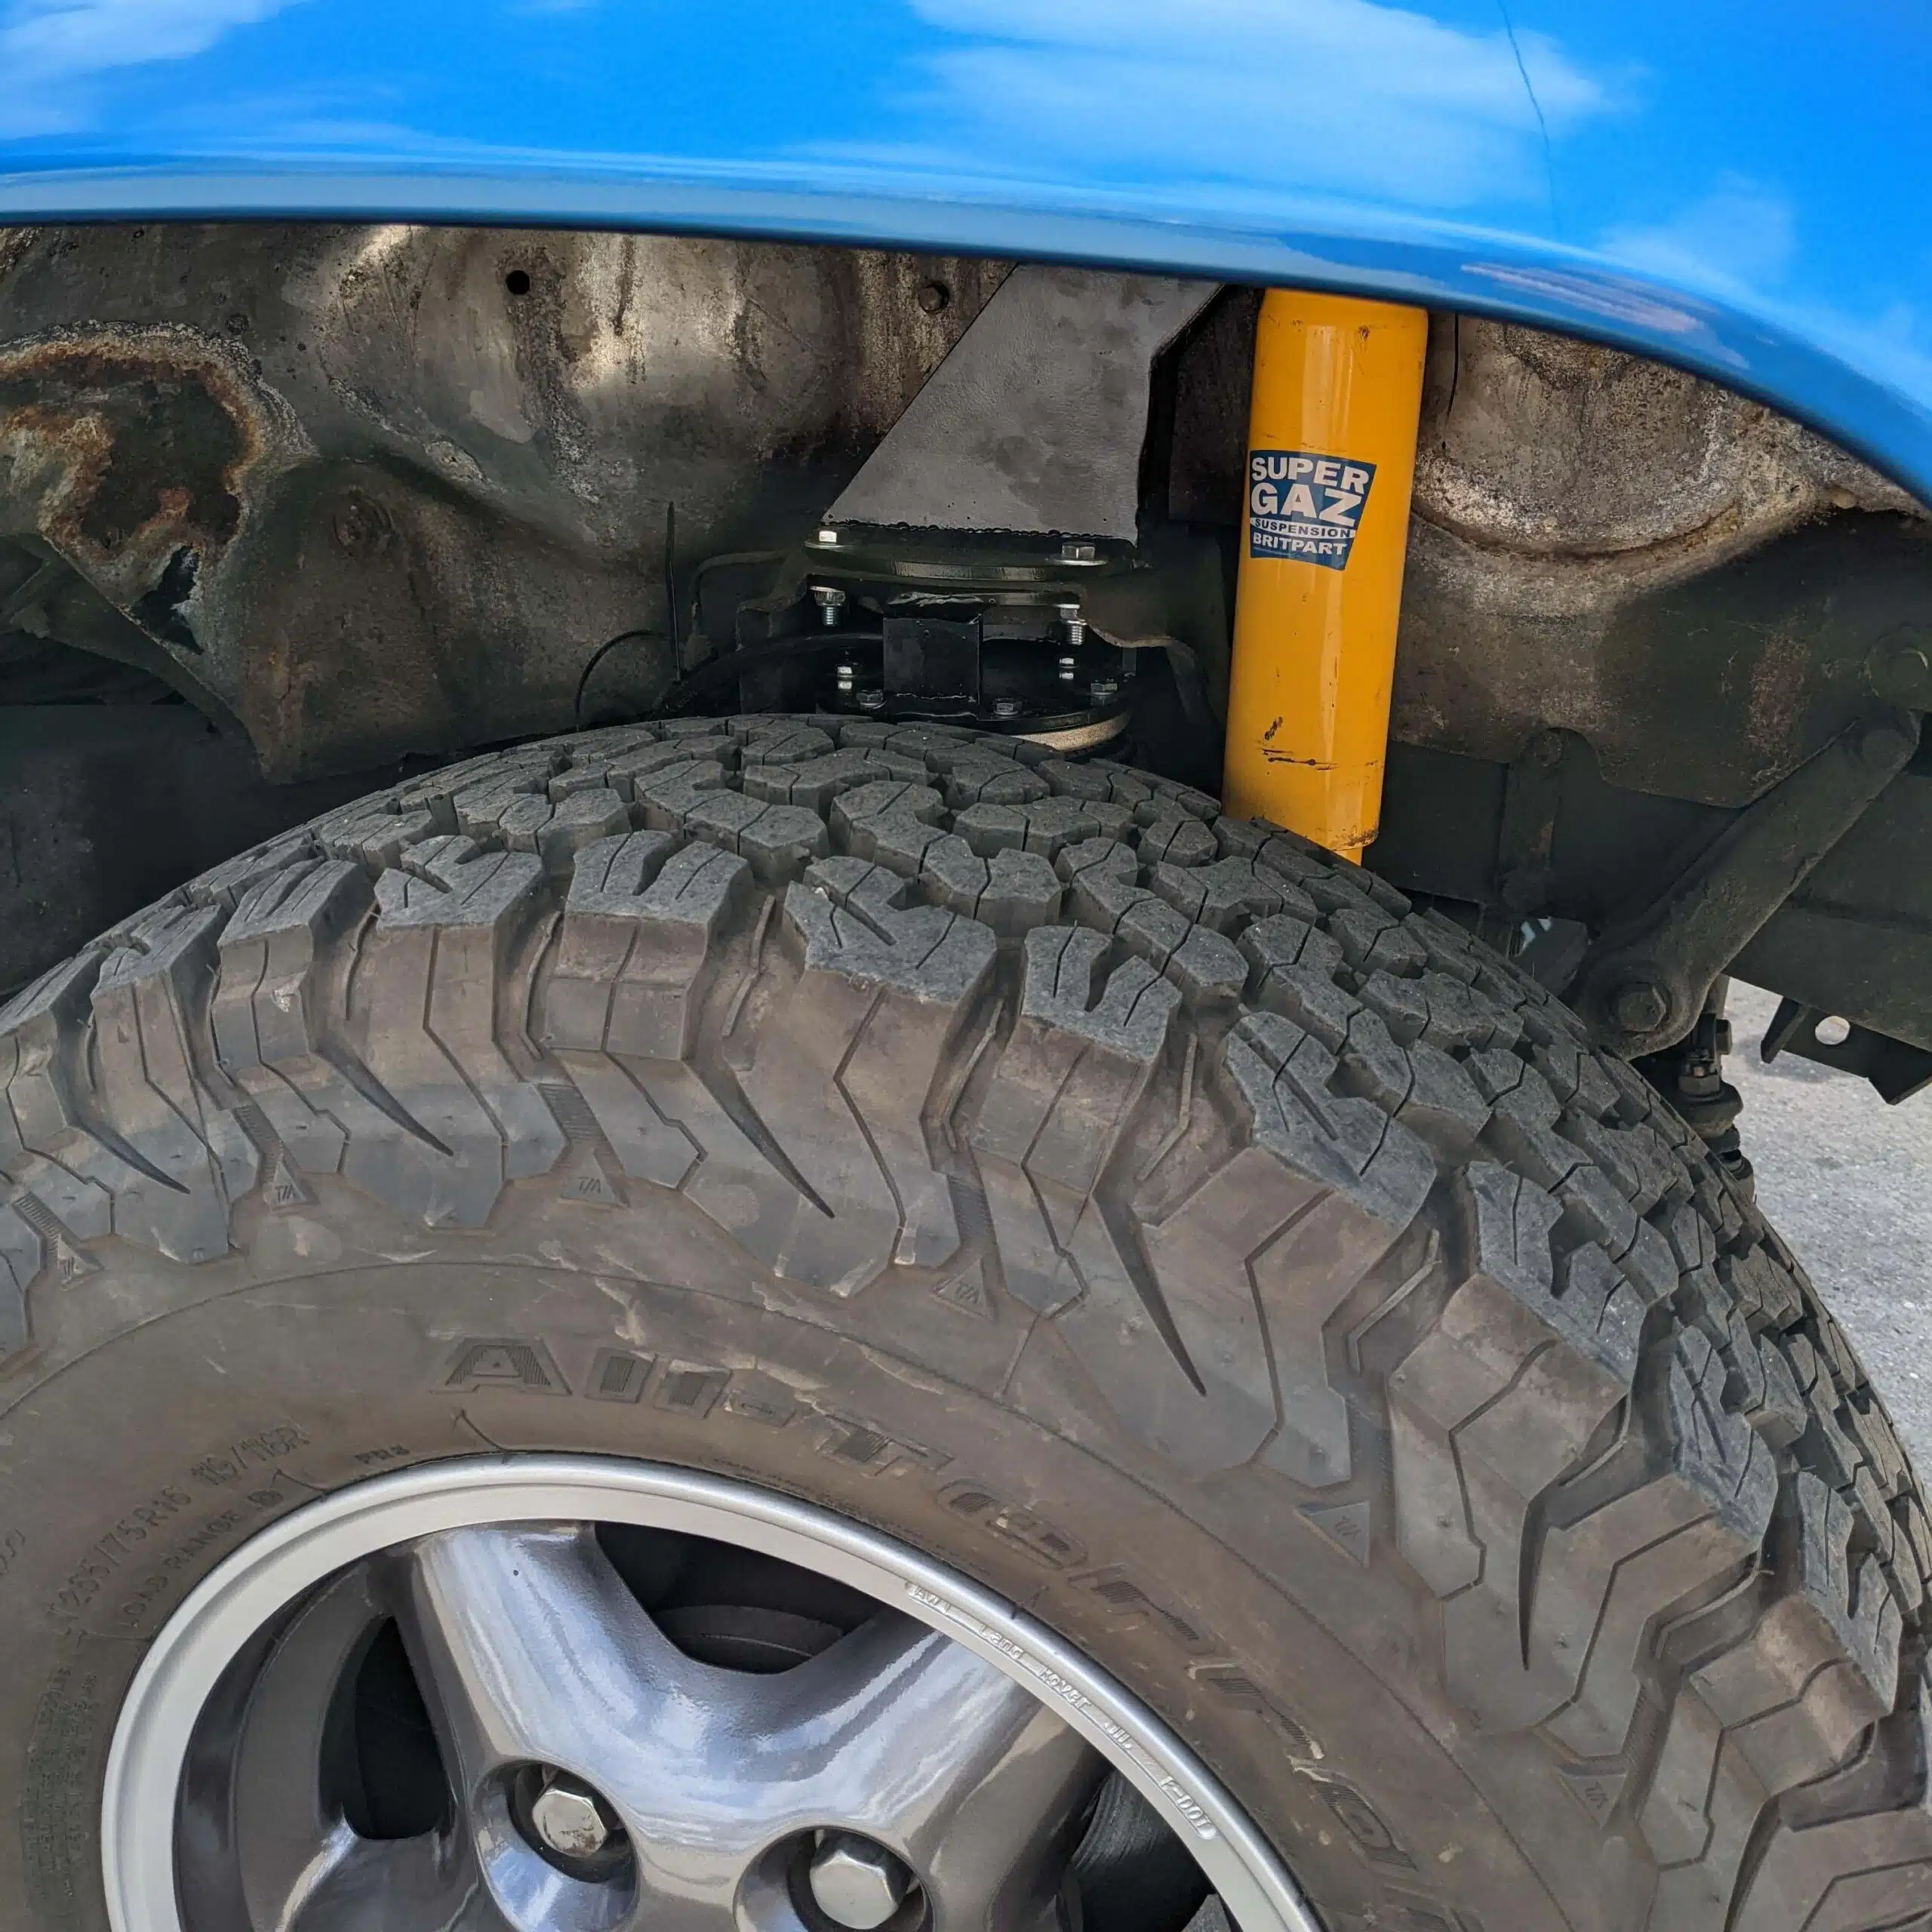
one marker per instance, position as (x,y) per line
(922,1771)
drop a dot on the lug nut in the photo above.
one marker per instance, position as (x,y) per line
(855,1883)
(570,1819)
(1074,623)
(831,601)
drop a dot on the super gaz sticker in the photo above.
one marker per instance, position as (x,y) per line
(1305,506)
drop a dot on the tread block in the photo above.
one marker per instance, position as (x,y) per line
(669,792)
(1084,1049)
(47,1147)
(422,1020)
(635,952)
(816,782)
(271,1013)
(1011,892)
(842,1075)
(1228,894)
(892,821)
(1046,826)
(557,831)
(1171,839)
(225,885)
(191,1156)
(973,779)
(1284,1077)
(1769,1716)
(777,842)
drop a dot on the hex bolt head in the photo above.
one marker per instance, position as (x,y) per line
(871,700)
(1074,623)
(857,1884)
(1006,707)
(570,1819)
(1104,690)
(827,534)
(1066,670)
(830,601)
(1074,552)
(1640,1006)
(1901,672)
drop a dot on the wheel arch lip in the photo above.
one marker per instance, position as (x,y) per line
(1749,214)
(180,1670)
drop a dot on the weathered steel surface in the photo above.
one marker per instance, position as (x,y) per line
(382,490)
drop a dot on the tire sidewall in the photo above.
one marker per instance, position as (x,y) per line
(135,1466)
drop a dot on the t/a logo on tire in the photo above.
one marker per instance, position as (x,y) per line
(1304,507)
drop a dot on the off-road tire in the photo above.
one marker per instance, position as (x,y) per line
(1257,1277)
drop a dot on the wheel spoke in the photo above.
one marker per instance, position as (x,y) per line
(393,1885)
(531,1650)
(302,1868)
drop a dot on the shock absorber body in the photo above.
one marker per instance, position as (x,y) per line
(1330,469)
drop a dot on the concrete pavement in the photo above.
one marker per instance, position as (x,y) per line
(1848,1181)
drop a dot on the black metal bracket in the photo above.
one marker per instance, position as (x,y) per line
(1642,985)
(1897,1069)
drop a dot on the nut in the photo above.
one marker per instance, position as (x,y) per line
(855,1883)
(567,1817)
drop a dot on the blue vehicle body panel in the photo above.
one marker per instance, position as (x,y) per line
(1740,190)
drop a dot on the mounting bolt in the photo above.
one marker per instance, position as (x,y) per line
(1901,672)
(871,700)
(1074,552)
(831,601)
(1006,707)
(1641,1006)
(1066,670)
(827,535)
(570,1819)
(855,1883)
(1104,690)
(1073,622)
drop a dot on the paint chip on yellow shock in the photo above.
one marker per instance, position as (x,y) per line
(1330,467)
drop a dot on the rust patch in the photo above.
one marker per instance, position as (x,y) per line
(131,448)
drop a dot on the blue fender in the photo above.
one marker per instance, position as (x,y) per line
(1740,190)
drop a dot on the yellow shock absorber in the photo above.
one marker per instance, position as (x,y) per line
(1331,462)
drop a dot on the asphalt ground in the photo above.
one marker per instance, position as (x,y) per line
(1848,1182)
